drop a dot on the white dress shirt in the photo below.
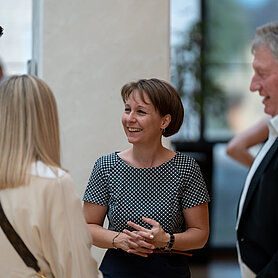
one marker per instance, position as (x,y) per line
(246,272)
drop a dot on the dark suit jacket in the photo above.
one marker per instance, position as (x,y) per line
(258,227)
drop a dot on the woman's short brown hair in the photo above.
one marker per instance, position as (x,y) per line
(164,98)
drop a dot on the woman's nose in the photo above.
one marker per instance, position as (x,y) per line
(131,117)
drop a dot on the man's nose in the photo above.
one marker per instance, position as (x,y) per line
(255,84)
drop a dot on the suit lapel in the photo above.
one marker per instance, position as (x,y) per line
(255,180)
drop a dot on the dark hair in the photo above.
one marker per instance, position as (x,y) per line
(1,31)
(164,98)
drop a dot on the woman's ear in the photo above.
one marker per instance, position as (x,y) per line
(165,121)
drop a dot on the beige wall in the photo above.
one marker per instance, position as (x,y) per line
(86,50)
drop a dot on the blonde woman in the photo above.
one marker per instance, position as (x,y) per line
(36,194)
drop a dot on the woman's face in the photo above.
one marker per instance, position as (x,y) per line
(141,121)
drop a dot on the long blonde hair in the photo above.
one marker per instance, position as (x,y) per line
(29,128)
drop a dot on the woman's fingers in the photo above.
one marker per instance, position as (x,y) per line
(133,235)
(155,236)
(140,249)
(137,240)
(146,233)
(141,235)
(150,221)
(136,226)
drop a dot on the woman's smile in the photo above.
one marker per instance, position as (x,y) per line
(132,129)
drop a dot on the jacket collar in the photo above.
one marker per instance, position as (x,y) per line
(273,126)
(257,175)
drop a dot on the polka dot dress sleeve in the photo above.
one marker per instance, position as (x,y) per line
(97,188)
(194,188)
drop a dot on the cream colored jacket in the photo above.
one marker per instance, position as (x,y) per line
(47,215)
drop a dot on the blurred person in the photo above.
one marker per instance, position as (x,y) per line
(238,147)
(36,194)
(257,221)
(155,199)
(2,71)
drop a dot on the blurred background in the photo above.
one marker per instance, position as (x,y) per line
(87,50)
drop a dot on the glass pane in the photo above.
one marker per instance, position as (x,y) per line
(228,179)
(185,52)
(15,44)
(239,109)
(229,106)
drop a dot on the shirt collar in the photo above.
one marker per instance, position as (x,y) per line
(273,126)
(40,169)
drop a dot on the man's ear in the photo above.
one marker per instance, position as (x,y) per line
(165,121)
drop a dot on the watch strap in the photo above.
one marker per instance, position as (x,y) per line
(170,243)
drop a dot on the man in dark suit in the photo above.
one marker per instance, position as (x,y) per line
(257,222)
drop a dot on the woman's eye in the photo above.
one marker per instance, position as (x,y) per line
(127,109)
(141,112)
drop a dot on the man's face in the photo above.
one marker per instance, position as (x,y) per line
(265,79)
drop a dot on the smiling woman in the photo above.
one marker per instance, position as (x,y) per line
(141,119)
(148,116)
(155,199)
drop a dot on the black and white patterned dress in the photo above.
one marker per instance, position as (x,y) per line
(160,193)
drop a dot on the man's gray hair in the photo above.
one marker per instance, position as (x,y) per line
(267,35)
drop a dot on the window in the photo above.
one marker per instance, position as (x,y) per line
(15,44)
(211,68)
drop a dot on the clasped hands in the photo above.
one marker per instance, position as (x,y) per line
(143,241)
